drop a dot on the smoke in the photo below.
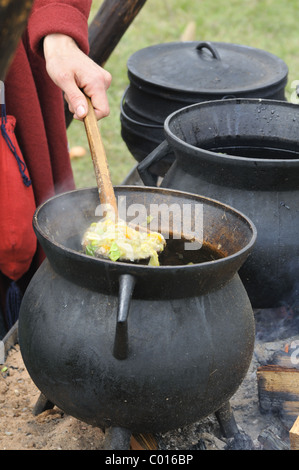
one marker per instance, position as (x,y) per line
(281,322)
(277,323)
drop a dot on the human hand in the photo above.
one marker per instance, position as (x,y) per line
(73,71)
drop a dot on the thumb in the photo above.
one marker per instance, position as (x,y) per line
(81,110)
(76,100)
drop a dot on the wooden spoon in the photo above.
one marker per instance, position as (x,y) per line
(100,163)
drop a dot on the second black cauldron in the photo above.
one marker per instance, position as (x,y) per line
(245,153)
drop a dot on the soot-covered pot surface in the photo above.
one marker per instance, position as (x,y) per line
(140,347)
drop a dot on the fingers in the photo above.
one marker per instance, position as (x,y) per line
(75,98)
(74,72)
(96,88)
(94,85)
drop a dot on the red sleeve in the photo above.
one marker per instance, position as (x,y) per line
(67,17)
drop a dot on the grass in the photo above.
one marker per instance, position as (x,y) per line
(270,25)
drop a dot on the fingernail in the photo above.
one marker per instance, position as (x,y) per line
(80,111)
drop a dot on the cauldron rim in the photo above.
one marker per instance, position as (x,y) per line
(126,267)
(226,158)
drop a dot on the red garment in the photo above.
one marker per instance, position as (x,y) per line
(37,103)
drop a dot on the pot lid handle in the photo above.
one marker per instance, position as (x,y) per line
(212,49)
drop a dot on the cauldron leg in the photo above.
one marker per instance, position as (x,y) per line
(117,438)
(237,440)
(42,404)
(226,420)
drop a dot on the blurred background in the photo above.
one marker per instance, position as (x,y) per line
(270,25)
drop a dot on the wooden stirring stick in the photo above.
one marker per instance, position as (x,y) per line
(100,163)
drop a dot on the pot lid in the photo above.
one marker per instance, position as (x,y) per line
(206,67)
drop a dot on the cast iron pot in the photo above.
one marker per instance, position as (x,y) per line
(167,77)
(138,347)
(245,153)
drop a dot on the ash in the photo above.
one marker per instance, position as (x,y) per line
(257,430)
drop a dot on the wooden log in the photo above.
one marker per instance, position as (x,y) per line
(294,435)
(108,26)
(105,31)
(278,384)
(143,442)
(13,19)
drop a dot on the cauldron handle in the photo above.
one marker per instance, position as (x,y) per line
(121,341)
(210,47)
(155,156)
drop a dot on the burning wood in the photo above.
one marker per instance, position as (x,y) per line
(278,383)
(294,435)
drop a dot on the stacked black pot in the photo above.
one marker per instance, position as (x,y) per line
(167,77)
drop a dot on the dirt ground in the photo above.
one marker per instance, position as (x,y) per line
(51,430)
(54,430)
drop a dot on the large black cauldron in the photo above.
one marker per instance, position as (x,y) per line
(245,153)
(138,347)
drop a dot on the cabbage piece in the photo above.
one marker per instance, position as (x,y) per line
(118,241)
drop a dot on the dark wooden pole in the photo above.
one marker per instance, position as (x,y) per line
(13,19)
(107,28)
